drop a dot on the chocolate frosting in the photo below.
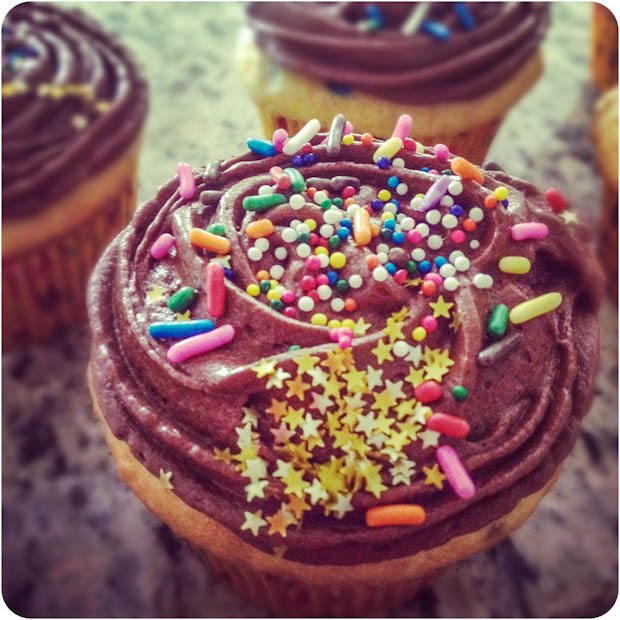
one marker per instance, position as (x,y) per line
(324,41)
(524,410)
(72,101)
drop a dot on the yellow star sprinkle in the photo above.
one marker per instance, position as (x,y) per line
(156,293)
(277,409)
(306,362)
(295,484)
(429,438)
(294,417)
(394,330)
(401,315)
(372,478)
(279,522)
(264,368)
(356,380)
(433,476)
(456,321)
(383,401)
(361,327)
(183,316)
(253,521)
(441,307)
(569,217)
(256,489)
(164,479)
(415,377)
(316,492)
(277,379)
(296,387)
(383,352)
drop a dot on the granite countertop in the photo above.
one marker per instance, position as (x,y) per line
(77,543)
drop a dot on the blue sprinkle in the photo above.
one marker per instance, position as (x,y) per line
(424,266)
(376,204)
(340,89)
(398,238)
(390,268)
(383,163)
(464,15)
(456,210)
(345,221)
(505,203)
(440,261)
(375,14)
(308,159)
(386,234)
(180,329)
(229,273)
(391,224)
(343,232)
(437,30)
(332,277)
(297,161)
(261,147)
(393,182)
(396,203)
(425,169)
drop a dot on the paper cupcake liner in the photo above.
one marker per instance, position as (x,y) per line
(608,239)
(44,288)
(604,47)
(472,144)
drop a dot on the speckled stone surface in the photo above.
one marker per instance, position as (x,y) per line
(77,543)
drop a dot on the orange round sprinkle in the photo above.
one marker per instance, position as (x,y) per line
(490,202)
(469,224)
(429,288)
(209,241)
(395,514)
(350,305)
(259,228)
(262,275)
(366,139)
(372,261)
(374,230)
(349,201)
(466,170)
(310,192)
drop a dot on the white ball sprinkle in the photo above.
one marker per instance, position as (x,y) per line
(383,257)
(265,190)
(398,162)
(423,229)
(380,274)
(447,270)
(303,250)
(289,235)
(337,304)
(389,207)
(320,197)
(434,242)
(455,188)
(407,223)
(352,210)
(303,229)
(482,280)
(446,201)
(324,291)
(400,348)
(402,189)
(324,259)
(262,244)
(454,255)
(294,224)
(327,230)
(462,263)
(332,216)
(297,201)
(276,272)
(305,304)
(355,281)
(449,221)
(476,214)
(450,284)
(474,244)
(416,203)
(433,216)
(280,253)
(418,254)
(255,254)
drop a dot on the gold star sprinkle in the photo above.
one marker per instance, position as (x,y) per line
(433,476)
(156,293)
(383,352)
(429,438)
(253,521)
(569,217)
(394,330)
(361,327)
(296,387)
(183,316)
(279,522)
(264,368)
(256,489)
(306,362)
(441,307)
(277,379)
(164,479)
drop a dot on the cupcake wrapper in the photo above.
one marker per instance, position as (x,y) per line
(604,47)
(44,288)
(608,240)
(472,144)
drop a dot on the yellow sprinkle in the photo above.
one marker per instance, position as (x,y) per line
(310,223)
(419,333)
(386,215)
(334,323)
(272,295)
(384,195)
(337,260)
(515,264)
(501,193)
(348,139)
(537,306)
(274,283)
(388,149)
(321,250)
(318,319)
(419,148)
(253,289)
(350,323)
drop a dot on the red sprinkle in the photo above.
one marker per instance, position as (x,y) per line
(428,392)
(556,200)
(447,424)
(400,276)
(215,289)
(409,144)
(348,191)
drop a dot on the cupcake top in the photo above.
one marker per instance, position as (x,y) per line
(420,52)
(347,350)
(72,101)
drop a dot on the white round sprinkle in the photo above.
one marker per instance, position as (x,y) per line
(398,162)
(400,348)
(416,203)
(265,190)
(294,224)
(389,207)
(327,230)
(455,188)
(449,221)
(262,244)
(320,197)
(450,284)
(380,274)
(352,210)
(324,291)
(446,201)
(324,260)
(383,257)
(280,253)
(332,216)
(474,244)
(303,229)
(279,289)
(305,304)
(418,254)
(355,281)
(407,223)
(402,189)
(454,255)
(482,280)
(462,263)
(255,254)
(383,247)
(337,304)
(303,250)
(297,201)
(447,270)
(276,272)
(434,242)
(433,216)
(423,229)
(476,214)
(289,235)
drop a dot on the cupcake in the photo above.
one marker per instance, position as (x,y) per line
(335,376)
(73,107)
(604,48)
(457,68)
(606,142)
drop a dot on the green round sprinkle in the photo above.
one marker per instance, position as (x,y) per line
(326,204)
(498,321)
(334,241)
(265,286)
(459,393)
(182,299)
(304,237)
(298,183)
(342,286)
(412,266)
(338,201)
(276,304)
(217,229)
(294,347)
(447,172)
(262,203)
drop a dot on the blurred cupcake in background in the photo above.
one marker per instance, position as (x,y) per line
(73,108)
(606,140)
(456,67)
(604,51)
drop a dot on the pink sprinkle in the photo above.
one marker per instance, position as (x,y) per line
(308,283)
(333,334)
(403,126)
(414,236)
(215,289)
(280,136)
(275,172)
(323,242)
(348,128)
(314,296)
(288,297)
(290,312)
(283,181)
(434,277)
(313,263)
(187,183)
(162,246)
(400,276)
(441,152)
(409,144)
(529,230)
(314,239)
(433,171)
(455,472)
(458,236)
(345,331)
(429,323)
(197,345)
(348,191)
(322,279)
(344,342)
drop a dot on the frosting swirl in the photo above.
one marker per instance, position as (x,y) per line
(285,437)
(332,42)
(72,101)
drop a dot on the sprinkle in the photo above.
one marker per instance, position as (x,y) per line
(337,260)
(400,348)
(418,334)
(298,183)
(197,345)
(464,15)
(180,329)
(388,149)
(416,17)
(209,241)
(482,280)
(437,30)
(449,425)
(361,227)
(500,193)
(261,147)
(187,183)
(535,307)
(529,230)
(334,137)
(435,192)
(466,170)
(262,203)
(556,200)
(459,393)
(253,290)
(498,350)
(305,304)
(428,392)
(162,246)
(402,127)
(279,138)
(498,321)
(304,135)
(259,228)
(514,264)
(380,274)
(215,289)
(182,299)
(455,472)
(395,514)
